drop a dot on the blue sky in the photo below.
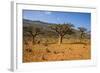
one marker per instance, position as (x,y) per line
(76,18)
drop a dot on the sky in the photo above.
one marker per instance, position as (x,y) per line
(76,18)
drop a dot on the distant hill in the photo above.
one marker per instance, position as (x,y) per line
(34,23)
(40,24)
(44,27)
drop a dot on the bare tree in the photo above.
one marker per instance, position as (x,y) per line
(34,32)
(82,32)
(62,30)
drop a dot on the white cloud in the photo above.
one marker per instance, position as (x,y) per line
(48,12)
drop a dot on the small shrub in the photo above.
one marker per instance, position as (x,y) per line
(47,50)
(29,50)
(45,44)
(44,58)
(38,42)
(56,52)
(70,49)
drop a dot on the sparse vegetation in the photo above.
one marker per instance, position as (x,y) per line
(50,42)
(34,32)
(82,32)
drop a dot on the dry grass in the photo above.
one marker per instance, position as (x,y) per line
(55,52)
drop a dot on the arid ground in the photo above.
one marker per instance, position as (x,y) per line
(55,52)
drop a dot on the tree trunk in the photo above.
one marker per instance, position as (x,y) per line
(60,40)
(33,40)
